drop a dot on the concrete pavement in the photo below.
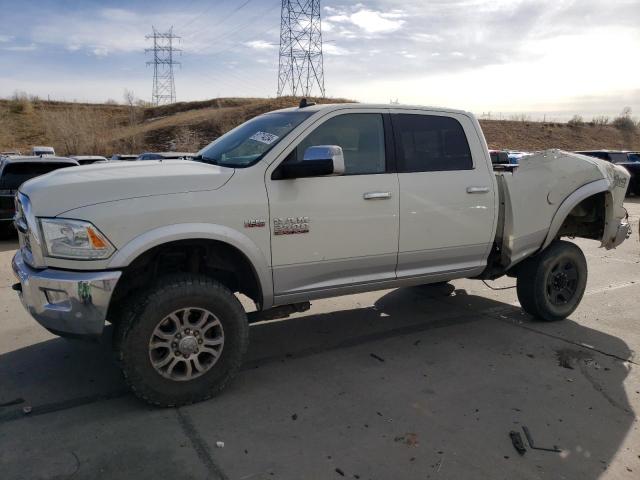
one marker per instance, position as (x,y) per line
(417,383)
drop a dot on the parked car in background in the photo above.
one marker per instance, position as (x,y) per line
(499,157)
(10,153)
(42,151)
(628,160)
(89,159)
(515,156)
(166,156)
(124,157)
(16,170)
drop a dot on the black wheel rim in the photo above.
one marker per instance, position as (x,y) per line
(562,282)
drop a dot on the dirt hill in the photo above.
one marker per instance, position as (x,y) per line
(74,128)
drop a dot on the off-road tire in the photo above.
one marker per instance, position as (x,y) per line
(536,273)
(142,314)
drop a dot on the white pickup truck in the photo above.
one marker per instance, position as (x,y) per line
(294,205)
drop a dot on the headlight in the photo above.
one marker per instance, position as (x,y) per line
(74,239)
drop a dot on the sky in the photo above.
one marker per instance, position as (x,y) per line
(551,58)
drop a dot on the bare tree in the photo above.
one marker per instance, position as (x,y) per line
(131,103)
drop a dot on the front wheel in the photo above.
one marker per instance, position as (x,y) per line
(551,284)
(182,340)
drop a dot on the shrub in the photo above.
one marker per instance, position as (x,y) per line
(20,103)
(600,121)
(576,121)
(78,130)
(624,122)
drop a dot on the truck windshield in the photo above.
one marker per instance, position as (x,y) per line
(247,144)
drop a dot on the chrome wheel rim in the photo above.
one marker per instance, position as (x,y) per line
(186,344)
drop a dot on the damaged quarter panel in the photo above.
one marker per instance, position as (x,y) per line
(545,188)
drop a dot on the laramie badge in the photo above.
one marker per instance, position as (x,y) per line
(290,225)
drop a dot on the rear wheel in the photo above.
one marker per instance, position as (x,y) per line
(182,340)
(551,284)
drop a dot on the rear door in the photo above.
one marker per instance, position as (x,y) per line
(447,195)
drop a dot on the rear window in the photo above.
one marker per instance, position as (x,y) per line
(618,157)
(428,143)
(15,174)
(600,155)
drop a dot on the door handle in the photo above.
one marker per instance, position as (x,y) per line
(376,195)
(477,189)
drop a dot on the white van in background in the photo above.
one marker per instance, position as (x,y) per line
(42,151)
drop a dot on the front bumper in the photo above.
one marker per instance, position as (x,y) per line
(66,303)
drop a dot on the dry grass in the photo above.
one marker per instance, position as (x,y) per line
(74,128)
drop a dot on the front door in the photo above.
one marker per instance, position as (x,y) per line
(334,231)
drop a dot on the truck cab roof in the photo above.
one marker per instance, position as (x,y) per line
(342,106)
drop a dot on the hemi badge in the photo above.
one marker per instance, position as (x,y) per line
(253,223)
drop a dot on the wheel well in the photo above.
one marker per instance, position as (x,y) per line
(215,259)
(587,219)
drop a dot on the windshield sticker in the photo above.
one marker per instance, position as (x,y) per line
(264,137)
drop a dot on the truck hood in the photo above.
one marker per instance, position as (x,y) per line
(63,190)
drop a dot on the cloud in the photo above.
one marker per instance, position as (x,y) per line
(366,20)
(332,49)
(427,38)
(100,51)
(376,22)
(260,45)
(5,38)
(21,48)
(406,54)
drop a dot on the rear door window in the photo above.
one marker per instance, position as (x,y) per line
(430,143)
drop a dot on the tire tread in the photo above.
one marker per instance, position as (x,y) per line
(135,305)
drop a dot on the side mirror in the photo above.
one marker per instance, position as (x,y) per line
(318,161)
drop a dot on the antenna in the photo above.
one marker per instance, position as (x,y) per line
(301,65)
(164,89)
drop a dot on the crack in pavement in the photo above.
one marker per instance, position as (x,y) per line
(199,445)
(68,404)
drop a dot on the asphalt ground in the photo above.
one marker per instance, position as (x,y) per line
(413,383)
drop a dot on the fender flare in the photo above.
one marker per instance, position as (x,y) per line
(569,203)
(189,231)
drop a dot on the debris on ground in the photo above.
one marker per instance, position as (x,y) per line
(220,444)
(27,409)
(516,440)
(377,357)
(527,434)
(410,439)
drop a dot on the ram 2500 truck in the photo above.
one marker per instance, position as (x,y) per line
(295,205)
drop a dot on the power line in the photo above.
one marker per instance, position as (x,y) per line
(164,89)
(220,21)
(301,66)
